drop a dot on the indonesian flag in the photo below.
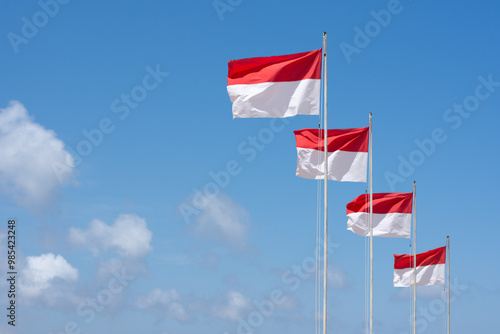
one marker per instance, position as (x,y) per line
(391,215)
(347,154)
(430,268)
(278,86)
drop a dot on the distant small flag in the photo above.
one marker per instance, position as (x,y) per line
(391,215)
(347,154)
(430,268)
(278,86)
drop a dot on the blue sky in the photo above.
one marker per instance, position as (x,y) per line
(115,121)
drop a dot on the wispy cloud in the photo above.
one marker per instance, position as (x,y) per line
(129,236)
(29,155)
(423,292)
(223,220)
(164,304)
(337,277)
(3,245)
(232,307)
(170,304)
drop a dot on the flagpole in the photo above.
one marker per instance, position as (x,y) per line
(371,223)
(414,258)
(325,126)
(448,261)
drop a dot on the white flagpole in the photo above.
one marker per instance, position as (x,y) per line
(414,258)
(448,261)
(371,222)
(325,127)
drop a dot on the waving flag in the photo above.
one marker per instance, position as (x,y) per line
(278,86)
(391,215)
(347,154)
(430,268)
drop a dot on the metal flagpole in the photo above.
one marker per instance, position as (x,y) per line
(371,222)
(448,261)
(414,258)
(325,129)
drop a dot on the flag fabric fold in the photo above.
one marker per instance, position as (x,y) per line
(430,268)
(278,86)
(347,154)
(391,215)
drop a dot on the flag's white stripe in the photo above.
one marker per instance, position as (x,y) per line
(342,166)
(275,99)
(426,275)
(392,225)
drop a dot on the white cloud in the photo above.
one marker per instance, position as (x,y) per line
(230,306)
(107,269)
(287,302)
(423,292)
(34,162)
(42,272)
(209,261)
(164,303)
(6,329)
(3,245)
(337,277)
(224,220)
(129,236)
(234,305)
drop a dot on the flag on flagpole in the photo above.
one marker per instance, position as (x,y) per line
(278,86)
(391,215)
(430,268)
(347,154)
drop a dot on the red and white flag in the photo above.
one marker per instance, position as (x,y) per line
(278,86)
(347,154)
(430,268)
(391,215)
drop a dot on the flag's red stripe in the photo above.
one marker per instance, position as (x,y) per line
(349,140)
(382,203)
(435,256)
(294,67)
